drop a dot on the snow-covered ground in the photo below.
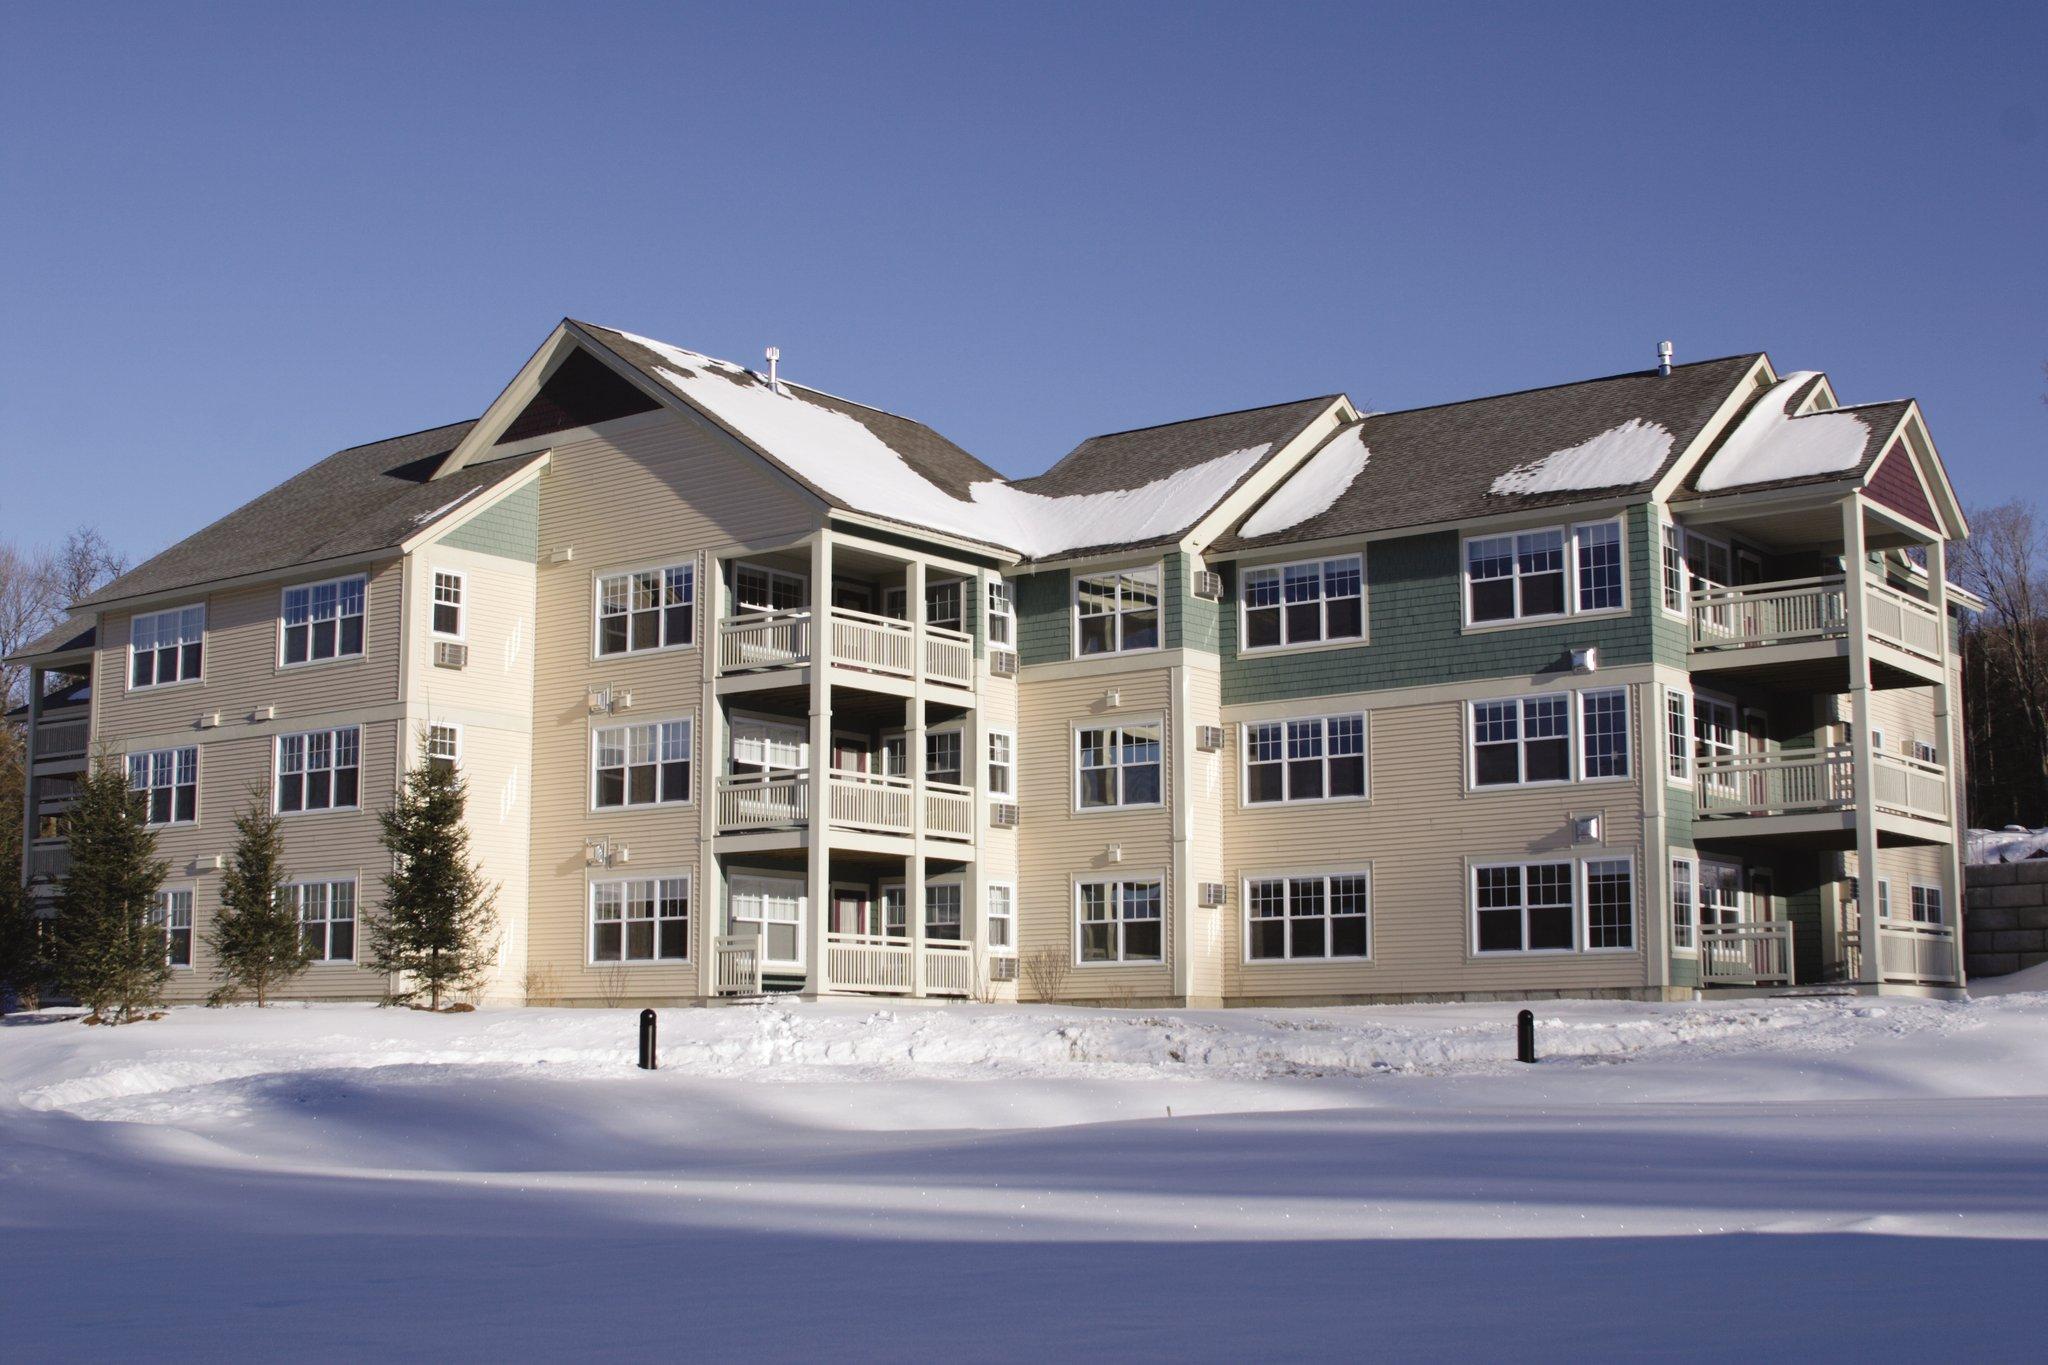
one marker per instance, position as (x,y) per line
(1837,1177)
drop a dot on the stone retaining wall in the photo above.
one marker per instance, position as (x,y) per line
(2005,916)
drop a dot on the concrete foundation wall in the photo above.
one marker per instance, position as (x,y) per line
(2005,917)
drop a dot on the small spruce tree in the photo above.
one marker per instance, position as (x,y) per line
(256,941)
(435,930)
(108,949)
(22,967)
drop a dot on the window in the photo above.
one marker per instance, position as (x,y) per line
(444,747)
(170,914)
(320,770)
(1521,740)
(895,912)
(166,647)
(641,920)
(1610,905)
(1308,918)
(1683,904)
(1884,900)
(1304,604)
(1522,908)
(1002,764)
(1117,611)
(1672,561)
(1707,563)
(327,918)
(1926,905)
(169,782)
(1714,737)
(647,609)
(1119,922)
(1118,765)
(1924,752)
(1599,565)
(1318,758)
(942,912)
(755,588)
(1002,918)
(1603,733)
(943,603)
(1002,615)
(642,765)
(324,620)
(1720,894)
(1677,736)
(772,910)
(768,746)
(942,756)
(448,604)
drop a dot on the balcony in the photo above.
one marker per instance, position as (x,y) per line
(1754,954)
(857,802)
(63,740)
(1808,796)
(48,861)
(860,642)
(1798,631)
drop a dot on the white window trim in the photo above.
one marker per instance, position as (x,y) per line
(352,879)
(1009,613)
(1244,763)
(1115,723)
(434,725)
(804,909)
(958,729)
(1143,878)
(1884,899)
(434,576)
(198,781)
(1666,526)
(688,718)
(1009,797)
(597,578)
(1691,949)
(590,957)
(1244,915)
(1473,786)
(999,950)
(277,771)
(190,891)
(1685,736)
(1157,568)
(1570,531)
(338,658)
(801,579)
(1582,733)
(1245,571)
(1582,891)
(1581,907)
(205,629)
(1941,903)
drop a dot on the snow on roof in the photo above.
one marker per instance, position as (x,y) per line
(445,508)
(850,463)
(2013,844)
(1767,445)
(1315,487)
(1627,454)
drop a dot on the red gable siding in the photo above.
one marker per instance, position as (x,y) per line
(1894,484)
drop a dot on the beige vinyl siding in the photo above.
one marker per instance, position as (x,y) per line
(1418,832)
(658,493)
(1905,714)
(1064,846)
(1209,792)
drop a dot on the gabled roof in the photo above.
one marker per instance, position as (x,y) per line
(1777,445)
(69,636)
(1570,443)
(356,501)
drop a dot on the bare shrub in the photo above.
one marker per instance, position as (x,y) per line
(612,981)
(1045,972)
(540,986)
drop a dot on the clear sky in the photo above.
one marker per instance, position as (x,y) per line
(237,239)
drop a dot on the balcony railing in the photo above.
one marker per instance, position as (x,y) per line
(1810,609)
(1917,952)
(764,639)
(859,640)
(766,801)
(883,966)
(736,965)
(1757,954)
(1796,781)
(948,656)
(863,801)
(57,739)
(948,810)
(48,862)
(867,801)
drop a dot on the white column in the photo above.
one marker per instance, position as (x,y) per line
(913,754)
(974,775)
(708,894)
(818,893)
(1945,710)
(1856,565)
(1180,758)
(1649,713)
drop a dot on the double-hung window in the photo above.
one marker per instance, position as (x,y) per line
(755,587)
(642,765)
(942,756)
(1002,615)
(772,910)
(1308,918)
(1684,905)
(169,782)
(1671,562)
(1002,917)
(1316,758)
(1715,737)
(1677,736)
(1119,921)
(1521,740)
(643,919)
(327,918)
(170,914)
(1304,604)
(1599,565)
(646,609)
(448,590)
(324,620)
(444,747)
(1117,765)
(942,919)
(1603,733)
(1926,904)
(166,646)
(1002,765)
(1610,905)
(1118,611)
(944,604)
(319,770)
(1522,908)
(1548,572)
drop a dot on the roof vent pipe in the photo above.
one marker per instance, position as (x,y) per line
(775,355)
(1663,357)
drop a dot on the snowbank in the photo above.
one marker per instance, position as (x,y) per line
(2010,845)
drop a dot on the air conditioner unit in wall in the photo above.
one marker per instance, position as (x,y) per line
(1214,894)
(450,654)
(1005,815)
(1209,584)
(1209,738)
(1002,968)
(1003,662)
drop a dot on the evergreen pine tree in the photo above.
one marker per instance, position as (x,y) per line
(436,927)
(256,941)
(21,949)
(108,948)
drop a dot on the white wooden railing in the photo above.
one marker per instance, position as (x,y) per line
(1768,613)
(1787,781)
(948,810)
(63,738)
(1758,954)
(736,965)
(764,639)
(763,801)
(1902,621)
(1910,786)
(866,801)
(949,656)
(948,968)
(1917,952)
(875,644)
(868,962)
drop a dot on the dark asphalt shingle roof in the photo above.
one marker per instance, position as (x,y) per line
(356,501)
(62,638)
(1438,464)
(1882,419)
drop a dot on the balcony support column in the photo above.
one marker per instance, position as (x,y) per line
(1856,595)
(913,754)
(818,882)
(1951,748)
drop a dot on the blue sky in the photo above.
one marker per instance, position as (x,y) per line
(235,240)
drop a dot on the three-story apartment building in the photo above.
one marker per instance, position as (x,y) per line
(1634,686)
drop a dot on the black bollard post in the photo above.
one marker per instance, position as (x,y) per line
(1525,1036)
(647,1040)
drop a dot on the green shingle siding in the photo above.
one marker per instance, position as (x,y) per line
(1044,635)
(1191,622)
(510,530)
